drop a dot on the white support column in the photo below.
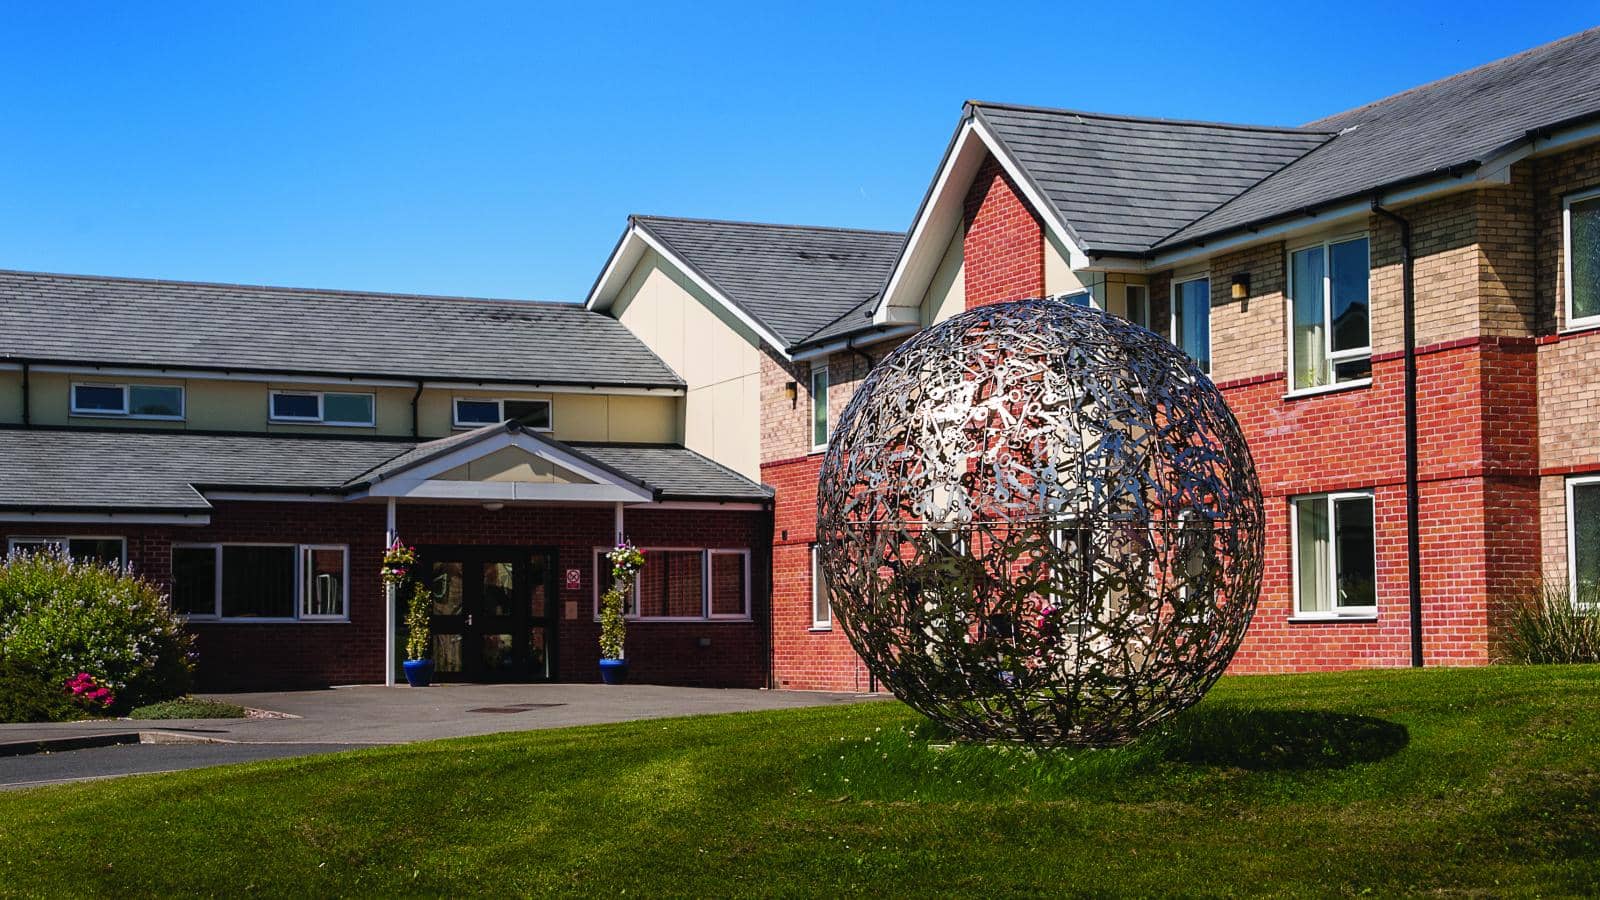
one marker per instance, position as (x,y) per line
(390,533)
(618,538)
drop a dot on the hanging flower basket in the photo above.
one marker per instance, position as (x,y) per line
(397,562)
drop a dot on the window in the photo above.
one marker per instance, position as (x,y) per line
(91,549)
(821,611)
(1329,341)
(1335,555)
(1081,298)
(1581,240)
(1191,319)
(326,408)
(1136,299)
(134,401)
(1583,540)
(678,584)
(819,408)
(323,592)
(261,582)
(475,413)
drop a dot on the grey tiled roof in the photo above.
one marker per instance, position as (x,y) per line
(854,320)
(792,279)
(1123,183)
(677,472)
(1461,120)
(246,328)
(126,469)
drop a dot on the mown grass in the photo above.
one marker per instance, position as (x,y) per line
(1457,782)
(190,708)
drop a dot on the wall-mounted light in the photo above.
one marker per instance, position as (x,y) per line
(791,389)
(494,506)
(1241,286)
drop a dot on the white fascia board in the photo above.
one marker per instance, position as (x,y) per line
(936,222)
(108,518)
(619,266)
(507,491)
(427,471)
(1353,210)
(1499,167)
(701,505)
(859,340)
(778,345)
(271,497)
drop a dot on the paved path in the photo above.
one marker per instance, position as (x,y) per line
(342,718)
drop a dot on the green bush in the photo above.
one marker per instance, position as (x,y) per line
(60,617)
(190,708)
(1548,627)
(29,695)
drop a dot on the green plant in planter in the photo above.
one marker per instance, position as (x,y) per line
(418,639)
(626,561)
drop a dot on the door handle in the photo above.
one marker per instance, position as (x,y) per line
(469,620)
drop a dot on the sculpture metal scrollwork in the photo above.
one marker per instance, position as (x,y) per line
(1040,523)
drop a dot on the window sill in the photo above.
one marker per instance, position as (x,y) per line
(684,620)
(1324,620)
(820,629)
(1579,326)
(1329,389)
(276,421)
(246,620)
(460,427)
(124,416)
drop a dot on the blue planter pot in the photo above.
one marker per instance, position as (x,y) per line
(419,672)
(614,671)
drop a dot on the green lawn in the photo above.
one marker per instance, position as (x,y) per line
(1481,781)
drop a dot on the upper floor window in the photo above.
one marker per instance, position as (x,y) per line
(111,550)
(1330,341)
(1136,298)
(324,408)
(819,408)
(133,401)
(473,412)
(1335,555)
(1191,319)
(1581,224)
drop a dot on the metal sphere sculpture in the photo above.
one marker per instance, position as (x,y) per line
(1040,523)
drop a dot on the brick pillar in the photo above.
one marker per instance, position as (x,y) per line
(1004,244)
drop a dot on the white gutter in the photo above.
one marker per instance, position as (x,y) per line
(859,340)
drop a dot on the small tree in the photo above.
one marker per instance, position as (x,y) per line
(626,561)
(417,623)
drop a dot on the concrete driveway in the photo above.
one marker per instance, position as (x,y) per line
(343,718)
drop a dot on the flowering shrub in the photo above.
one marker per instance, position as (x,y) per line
(61,619)
(397,562)
(89,692)
(626,561)
(418,623)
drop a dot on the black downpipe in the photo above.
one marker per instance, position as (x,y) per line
(416,429)
(1413,528)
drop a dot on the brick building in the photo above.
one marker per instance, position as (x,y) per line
(1437,251)
(1278,258)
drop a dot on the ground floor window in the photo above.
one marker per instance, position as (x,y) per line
(95,549)
(678,584)
(1583,540)
(821,611)
(261,582)
(1335,555)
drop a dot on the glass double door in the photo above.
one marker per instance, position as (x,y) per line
(493,616)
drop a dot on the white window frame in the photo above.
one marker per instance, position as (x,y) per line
(61,541)
(1333,358)
(303,564)
(602,565)
(127,398)
(1572,323)
(320,418)
(1144,305)
(818,590)
(811,417)
(500,404)
(1172,315)
(1572,541)
(299,584)
(1337,613)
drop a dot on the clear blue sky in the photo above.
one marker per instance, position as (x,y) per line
(496,150)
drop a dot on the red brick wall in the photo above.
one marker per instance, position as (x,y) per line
(302,654)
(1003,247)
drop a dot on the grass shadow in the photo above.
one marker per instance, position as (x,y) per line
(1278,740)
